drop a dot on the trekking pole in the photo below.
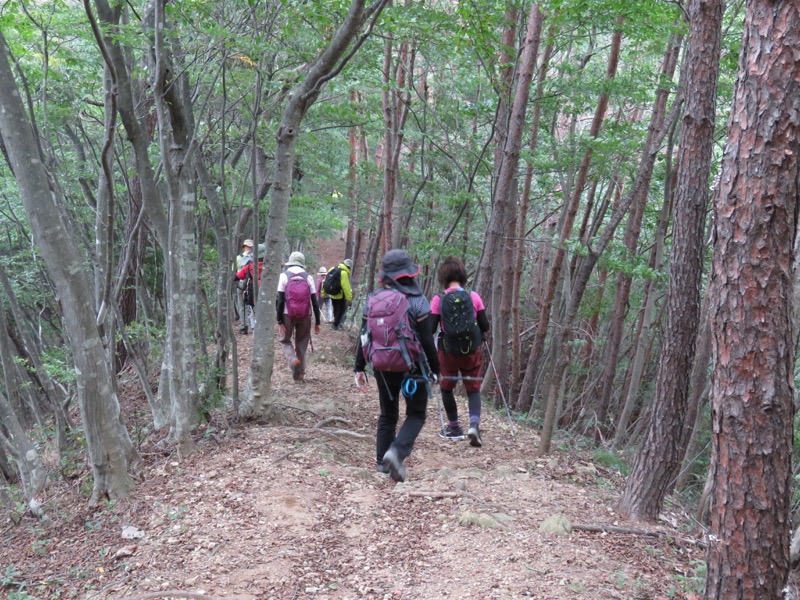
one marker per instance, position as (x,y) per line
(426,372)
(500,387)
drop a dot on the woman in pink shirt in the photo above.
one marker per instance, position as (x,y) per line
(462,316)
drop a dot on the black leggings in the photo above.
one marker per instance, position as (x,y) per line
(339,311)
(390,396)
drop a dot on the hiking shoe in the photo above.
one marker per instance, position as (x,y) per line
(381,468)
(397,470)
(243,330)
(452,432)
(474,435)
(297,375)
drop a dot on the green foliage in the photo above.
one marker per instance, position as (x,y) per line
(617,259)
(9,576)
(691,582)
(611,460)
(58,365)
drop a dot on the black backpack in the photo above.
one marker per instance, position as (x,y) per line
(332,286)
(460,332)
(248,292)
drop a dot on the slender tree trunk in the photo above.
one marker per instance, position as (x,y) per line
(753,273)
(527,389)
(107,441)
(503,213)
(401,102)
(175,130)
(648,321)
(659,125)
(365,221)
(224,246)
(351,242)
(698,394)
(390,139)
(633,228)
(657,461)
(137,133)
(522,229)
(331,61)
(491,258)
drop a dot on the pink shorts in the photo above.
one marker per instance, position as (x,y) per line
(469,365)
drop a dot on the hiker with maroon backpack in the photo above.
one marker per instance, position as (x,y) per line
(464,325)
(396,339)
(297,296)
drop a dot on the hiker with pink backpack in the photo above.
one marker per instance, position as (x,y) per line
(297,297)
(396,340)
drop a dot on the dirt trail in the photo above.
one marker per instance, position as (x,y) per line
(295,510)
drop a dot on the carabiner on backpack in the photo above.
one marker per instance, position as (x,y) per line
(409,387)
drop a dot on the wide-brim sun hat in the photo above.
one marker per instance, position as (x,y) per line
(348,263)
(397,264)
(262,251)
(248,243)
(296,259)
(323,271)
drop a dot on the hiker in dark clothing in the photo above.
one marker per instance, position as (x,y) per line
(341,300)
(393,447)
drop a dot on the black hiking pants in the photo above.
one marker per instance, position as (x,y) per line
(339,311)
(390,396)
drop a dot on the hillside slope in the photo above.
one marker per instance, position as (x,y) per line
(295,510)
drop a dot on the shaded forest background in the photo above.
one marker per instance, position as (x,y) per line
(620,179)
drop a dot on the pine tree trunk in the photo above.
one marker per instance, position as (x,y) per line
(698,395)
(503,206)
(658,460)
(753,273)
(522,231)
(491,260)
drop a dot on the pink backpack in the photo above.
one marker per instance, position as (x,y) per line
(391,342)
(297,295)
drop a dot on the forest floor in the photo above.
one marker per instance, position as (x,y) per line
(296,510)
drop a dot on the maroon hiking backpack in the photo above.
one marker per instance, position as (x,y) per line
(391,340)
(298,295)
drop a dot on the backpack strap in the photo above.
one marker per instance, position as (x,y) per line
(290,275)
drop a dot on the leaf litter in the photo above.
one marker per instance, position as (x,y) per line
(294,509)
